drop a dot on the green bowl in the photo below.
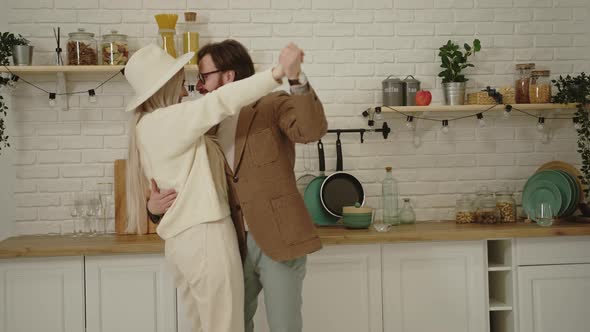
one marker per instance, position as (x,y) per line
(357,220)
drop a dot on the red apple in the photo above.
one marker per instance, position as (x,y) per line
(423,98)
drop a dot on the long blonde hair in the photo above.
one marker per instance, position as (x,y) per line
(138,186)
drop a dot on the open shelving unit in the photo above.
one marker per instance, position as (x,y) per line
(475,108)
(74,69)
(501,285)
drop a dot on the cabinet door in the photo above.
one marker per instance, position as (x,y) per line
(130,293)
(434,286)
(42,294)
(341,291)
(554,298)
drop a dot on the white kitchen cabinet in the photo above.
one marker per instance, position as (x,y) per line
(434,286)
(554,298)
(341,291)
(42,294)
(129,293)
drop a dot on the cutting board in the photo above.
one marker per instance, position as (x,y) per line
(121,201)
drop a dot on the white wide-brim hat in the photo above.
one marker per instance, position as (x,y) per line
(149,69)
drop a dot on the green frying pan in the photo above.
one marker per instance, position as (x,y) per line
(312,198)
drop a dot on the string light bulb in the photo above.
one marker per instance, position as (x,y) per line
(541,124)
(378,115)
(445,126)
(480,120)
(191,90)
(52,99)
(507,110)
(410,122)
(577,124)
(92,96)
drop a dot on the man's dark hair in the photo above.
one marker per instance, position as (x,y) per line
(229,55)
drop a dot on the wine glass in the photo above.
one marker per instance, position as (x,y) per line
(544,214)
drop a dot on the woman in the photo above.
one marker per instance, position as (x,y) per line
(168,143)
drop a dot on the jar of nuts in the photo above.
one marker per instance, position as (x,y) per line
(522,82)
(82,49)
(465,210)
(486,212)
(114,49)
(506,205)
(540,87)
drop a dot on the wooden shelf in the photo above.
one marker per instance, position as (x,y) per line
(498,267)
(74,69)
(475,108)
(496,305)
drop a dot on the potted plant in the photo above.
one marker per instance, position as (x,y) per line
(454,61)
(7,43)
(576,90)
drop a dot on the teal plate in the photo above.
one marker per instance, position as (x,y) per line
(575,193)
(541,191)
(562,183)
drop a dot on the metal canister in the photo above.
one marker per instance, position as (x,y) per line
(392,92)
(411,87)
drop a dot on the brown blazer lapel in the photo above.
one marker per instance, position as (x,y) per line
(244,123)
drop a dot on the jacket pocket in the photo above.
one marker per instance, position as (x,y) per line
(263,147)
(292,219)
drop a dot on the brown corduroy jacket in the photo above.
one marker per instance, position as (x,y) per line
(263,187)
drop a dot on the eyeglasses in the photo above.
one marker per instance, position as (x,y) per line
(203,76)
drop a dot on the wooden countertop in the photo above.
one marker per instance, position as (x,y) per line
(46,246)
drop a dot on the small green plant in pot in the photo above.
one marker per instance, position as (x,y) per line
(454,61)
(8,41)
(576,90)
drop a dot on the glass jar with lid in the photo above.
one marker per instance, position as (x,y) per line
(114,49)
(465,210)
(82,48)
(522,82)
(406,213)
(540,87)
(506,206)
(486,212)
(190,36)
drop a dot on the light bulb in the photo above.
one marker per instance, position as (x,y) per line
(445,129)
(481,123)
(52,99)
(92,96)
(410,125)
(578,126)
(541,124)
(378,117)
(506,115)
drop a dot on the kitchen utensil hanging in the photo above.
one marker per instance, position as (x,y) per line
(341,189)
(311,196)
(304,180)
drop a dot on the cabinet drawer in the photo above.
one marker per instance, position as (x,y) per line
(554,250)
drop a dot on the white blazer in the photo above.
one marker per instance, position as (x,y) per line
(172,150)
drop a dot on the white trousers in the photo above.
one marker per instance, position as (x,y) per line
(209,275)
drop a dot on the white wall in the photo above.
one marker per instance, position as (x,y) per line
(7,170)
(351,46)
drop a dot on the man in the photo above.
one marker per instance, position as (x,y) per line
(268,211)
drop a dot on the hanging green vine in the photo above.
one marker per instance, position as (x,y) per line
(7,42)
(577,90)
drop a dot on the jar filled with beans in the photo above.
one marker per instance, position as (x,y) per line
(506,205)
(486,211)
(540,87)
(82,48)
(465,210)
(522,82)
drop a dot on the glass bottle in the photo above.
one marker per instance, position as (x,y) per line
(464,210)
(390,195)
(82,48)
(190,37)
(114,49)
(406,213)
(522,82)
(506,205)
(540,87)
(486,212)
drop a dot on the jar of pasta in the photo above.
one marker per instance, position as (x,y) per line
(114,49)
(522,82)
(540,87)
(82,48)
(190,36)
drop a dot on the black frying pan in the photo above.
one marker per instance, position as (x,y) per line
(341,189)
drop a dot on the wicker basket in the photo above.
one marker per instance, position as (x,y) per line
(482,97)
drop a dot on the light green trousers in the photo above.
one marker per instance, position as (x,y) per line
(283,285)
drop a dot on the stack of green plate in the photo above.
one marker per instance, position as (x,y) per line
(556,187)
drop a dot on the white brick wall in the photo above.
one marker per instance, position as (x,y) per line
(351,45)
